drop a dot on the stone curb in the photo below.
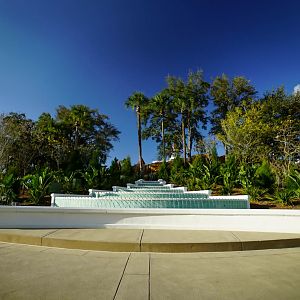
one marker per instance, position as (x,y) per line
(138,243)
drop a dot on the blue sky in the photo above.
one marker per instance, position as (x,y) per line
(98,52)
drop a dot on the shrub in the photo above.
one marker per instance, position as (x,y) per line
(264,176)
(163,171)
(37,184)
(7,188)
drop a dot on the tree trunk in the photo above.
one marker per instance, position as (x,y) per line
(189,138)
(183,140)
(190,143)
(76,135)
(139,137)
(163,139)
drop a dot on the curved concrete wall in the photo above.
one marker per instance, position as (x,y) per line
(205,219)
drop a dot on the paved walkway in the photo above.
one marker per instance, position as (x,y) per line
(38,272)
(149,240)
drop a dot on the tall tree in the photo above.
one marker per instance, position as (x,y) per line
(190,99)
(227,94)
(16,138)
(176,87)
(246,135)
(197,95)
(87,131)
(54,146)
(161,120)
(268,129)
(138,102)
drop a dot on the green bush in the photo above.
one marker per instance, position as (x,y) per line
(37,184)
(285,196)
(163,171)
(229,173)
(8,188)
(264,177)
(293,182)
(177,173)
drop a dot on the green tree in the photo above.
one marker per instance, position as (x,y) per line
(18,149)
(138,102)
(53,145)
(87,131)
(190,99)
(161,118)
(126,170)
(226,95)
(246,134)
(115,172)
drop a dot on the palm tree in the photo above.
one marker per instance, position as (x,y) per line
(159,108)
(138,101)
(190,100)
(177,90)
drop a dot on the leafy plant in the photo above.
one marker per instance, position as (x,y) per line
(264,176)
(229,173)
(37,184)
(91,177)
(178,174)
(293,182)
(7,192)
(285,196)
(163,171)
(69,183)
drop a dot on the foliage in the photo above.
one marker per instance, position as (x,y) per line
(115,172)
(7,188)
(264,176)
(293,182)
(67,152)
(228,94)
(91,177)
(70,182)
(161,121)
(229,175)
(127,172)
(163,171)
(285,196)
(246,135)
(17,149)
(247,179)
(189,100)
(38,183)
(87,131)
(177,172)
(138,102)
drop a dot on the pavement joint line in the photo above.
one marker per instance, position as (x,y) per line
(141,238)
(242,244)
(116,292)
(47,234)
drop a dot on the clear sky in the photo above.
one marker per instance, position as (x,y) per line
(97,53)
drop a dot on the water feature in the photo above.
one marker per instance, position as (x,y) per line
(150,194)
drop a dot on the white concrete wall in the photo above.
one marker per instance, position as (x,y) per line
(206,219)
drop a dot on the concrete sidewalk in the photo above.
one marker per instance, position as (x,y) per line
(37,272)
(150,240)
